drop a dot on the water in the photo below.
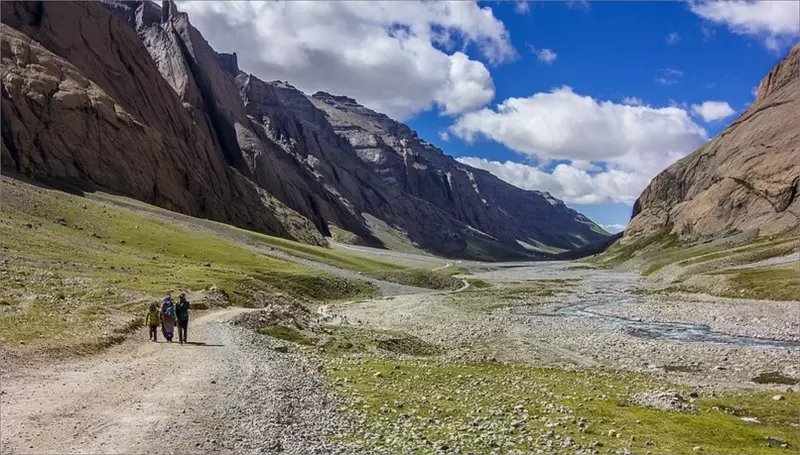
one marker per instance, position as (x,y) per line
(674,330)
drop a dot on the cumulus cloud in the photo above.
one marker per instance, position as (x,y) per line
(632,100)
(632,142)
(713,110)
(545,55)
(668,76)
(773,22)
(522,7)
(615,228)
(396,57)
(673,38)
(567,182)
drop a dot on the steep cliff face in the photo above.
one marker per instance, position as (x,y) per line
(83,100)
(129,96)
(746,178)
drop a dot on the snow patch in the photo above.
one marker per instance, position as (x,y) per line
(481,232)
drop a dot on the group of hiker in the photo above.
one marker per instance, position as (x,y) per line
(168,316)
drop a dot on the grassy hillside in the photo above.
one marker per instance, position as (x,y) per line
(79,271)
(719,267)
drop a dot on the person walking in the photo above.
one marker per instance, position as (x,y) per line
(182,314)
(168,318)
(151,320)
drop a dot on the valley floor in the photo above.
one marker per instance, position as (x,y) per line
(230,391)
(501,358)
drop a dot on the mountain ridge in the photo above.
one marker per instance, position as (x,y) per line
(261,155)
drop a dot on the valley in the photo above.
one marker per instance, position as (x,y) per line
(321,357)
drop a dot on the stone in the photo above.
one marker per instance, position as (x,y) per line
(697,448)
(778,397)
(746,178)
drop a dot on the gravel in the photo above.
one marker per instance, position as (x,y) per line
(539,333)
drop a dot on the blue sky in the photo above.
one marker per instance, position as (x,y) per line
(613,50)
(588,101)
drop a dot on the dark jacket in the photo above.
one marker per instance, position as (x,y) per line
(182,310)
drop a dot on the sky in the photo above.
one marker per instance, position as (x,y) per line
(586,100)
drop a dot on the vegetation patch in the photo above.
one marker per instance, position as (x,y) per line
(420,278)
(286,334)
(478,283)
(339,340)
(768,283)
(422,406)
(73,268)
(774,378)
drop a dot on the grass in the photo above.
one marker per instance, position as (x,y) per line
(64,254)
(478,283)
(341,340)
(419,406)
(287,334)
(774,378)
(419,278)
(618,253)
(370,267)
(769,283)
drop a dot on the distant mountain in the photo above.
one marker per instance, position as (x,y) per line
(129,97)
(747,178)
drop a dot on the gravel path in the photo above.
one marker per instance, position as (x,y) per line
(227,393)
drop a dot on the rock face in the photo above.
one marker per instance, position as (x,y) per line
(747,178)
(128,96)
(88,104)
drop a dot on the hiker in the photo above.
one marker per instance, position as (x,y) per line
(168,318)
(182,313)
(151,320)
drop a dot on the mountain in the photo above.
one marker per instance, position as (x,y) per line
(745,179)
(129,97)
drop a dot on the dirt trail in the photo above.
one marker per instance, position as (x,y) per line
(130,399)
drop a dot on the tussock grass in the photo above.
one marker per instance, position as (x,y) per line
(421,406)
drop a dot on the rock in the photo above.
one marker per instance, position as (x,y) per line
(612,433)
(748,177)
(697,448)
(778,397)
(159,101)
(377,374)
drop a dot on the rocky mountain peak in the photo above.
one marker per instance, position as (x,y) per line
(229,63)
(782,74)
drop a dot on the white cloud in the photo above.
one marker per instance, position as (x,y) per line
(615,228)
(632,100)
(522,7)
(545,55)
(754,92)
(773,22)
(444,135)
(673,38)
(633,142)
(668,76)
(568,182)
(713,110)
(396,57)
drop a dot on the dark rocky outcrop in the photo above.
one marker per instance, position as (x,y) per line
(83,100)
(129,96)
(747,178)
